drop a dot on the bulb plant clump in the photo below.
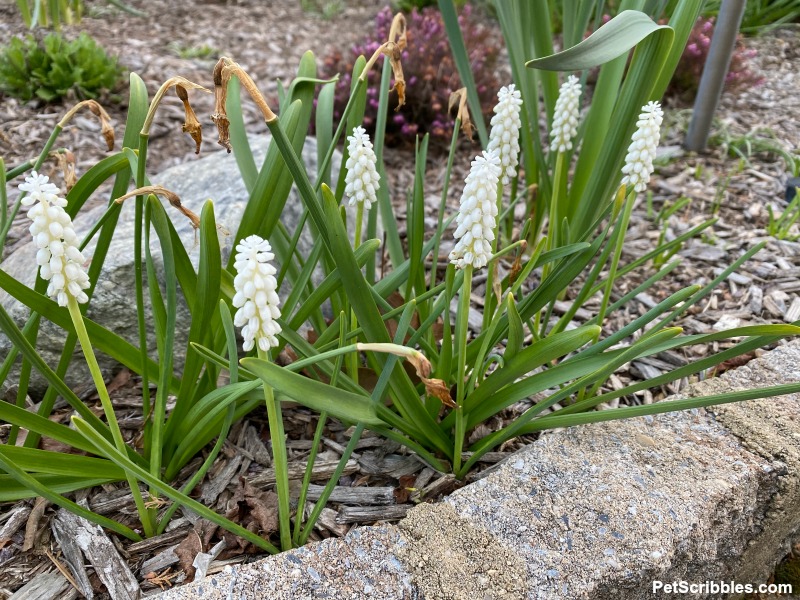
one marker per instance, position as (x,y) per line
(263,333)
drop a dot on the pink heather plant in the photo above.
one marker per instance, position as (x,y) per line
(431,73)
(690,68)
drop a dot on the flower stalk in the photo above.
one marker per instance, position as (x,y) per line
(257,301)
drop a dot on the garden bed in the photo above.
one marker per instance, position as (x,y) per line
(383,483)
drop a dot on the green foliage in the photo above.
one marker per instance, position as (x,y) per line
(327,9)
(783,225)
(54,68)
(189,52)
(409,5)
(760,16)
(47,13)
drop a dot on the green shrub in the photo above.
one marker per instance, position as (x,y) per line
(53,67)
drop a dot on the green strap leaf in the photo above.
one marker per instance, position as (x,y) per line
(613,39)
(61,463)
(40,489)
(318,396)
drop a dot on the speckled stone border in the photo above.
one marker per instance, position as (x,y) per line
(599,511)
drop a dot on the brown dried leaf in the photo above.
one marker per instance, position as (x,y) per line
(402,492)
(193,544)
(253,509)
(32,526)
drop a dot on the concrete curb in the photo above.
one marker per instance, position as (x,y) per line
(599,511)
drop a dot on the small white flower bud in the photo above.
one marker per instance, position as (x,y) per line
(476,217)
(60,262)
(256,294)
(639,161)
(565,116)
(362,179)
(504,137)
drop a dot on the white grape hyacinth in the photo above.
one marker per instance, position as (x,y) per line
(256,294)
(59,259)
(506,123)
(362,179)
(477,214)
(639,161)
(565,116)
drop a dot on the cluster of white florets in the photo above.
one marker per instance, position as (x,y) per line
(639,161)
(362,179)
(506,123)
(60,262)
(477,214)
(256,294)
(565,116)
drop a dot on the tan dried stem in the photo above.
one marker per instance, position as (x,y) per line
(223,71)
(154,104)
(433,387)
(459,97)
(105,121)
(392,49)
(171,197)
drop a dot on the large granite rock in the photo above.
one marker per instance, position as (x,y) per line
(214,177)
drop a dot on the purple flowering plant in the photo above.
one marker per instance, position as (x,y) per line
(432,73)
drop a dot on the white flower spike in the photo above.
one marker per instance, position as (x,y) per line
(256,294)
(362,179)
(565,117)
(60,262)
(476,216)
(639,161)
(506,124)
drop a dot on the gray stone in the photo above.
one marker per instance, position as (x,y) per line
(600,511)
(214,177)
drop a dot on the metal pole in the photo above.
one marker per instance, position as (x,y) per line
(716,68)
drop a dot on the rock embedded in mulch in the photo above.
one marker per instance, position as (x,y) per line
(215,177)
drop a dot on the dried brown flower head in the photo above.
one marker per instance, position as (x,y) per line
(191,125)
(459,98)
(223,71)
(393,49)
(105,121)
(182,85)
